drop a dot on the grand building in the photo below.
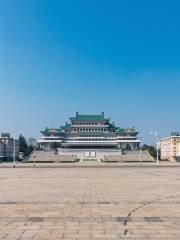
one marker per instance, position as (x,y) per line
(170,147)
(89,131)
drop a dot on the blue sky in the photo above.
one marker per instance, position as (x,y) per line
(59,57)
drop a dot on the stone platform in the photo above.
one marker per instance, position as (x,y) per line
(89,203)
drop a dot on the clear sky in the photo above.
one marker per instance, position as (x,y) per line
(120,57)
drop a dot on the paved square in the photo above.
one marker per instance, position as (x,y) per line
(90,203)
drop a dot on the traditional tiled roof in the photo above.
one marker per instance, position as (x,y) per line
(90,118)
(51,130)
(66,126)
(126,130)
(80,117)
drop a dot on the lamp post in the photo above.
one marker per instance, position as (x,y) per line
(157,153)
(14,155)
(140,151)
(34,155)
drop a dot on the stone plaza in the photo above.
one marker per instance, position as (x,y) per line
(90,203)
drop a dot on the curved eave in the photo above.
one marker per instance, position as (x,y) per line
(89,120)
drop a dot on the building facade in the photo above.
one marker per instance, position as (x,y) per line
(170,147)
(7,147)
(90,131)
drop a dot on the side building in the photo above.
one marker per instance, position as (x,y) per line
(7,147)
(170,147)
(90,131)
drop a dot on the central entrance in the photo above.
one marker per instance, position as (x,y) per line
(90,156)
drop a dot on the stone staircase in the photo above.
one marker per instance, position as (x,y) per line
(70,157)
(50,157)
(129,156)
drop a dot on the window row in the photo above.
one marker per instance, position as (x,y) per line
(90,130)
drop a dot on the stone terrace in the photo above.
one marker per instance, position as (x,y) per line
(89,203)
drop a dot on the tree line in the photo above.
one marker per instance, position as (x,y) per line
(26,147)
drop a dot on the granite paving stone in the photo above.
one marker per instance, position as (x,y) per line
(89,203)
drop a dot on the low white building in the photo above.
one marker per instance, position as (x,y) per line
(170,147)
(7,147)
(1,151)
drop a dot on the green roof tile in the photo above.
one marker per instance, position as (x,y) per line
(80,117)
(51,130)
(66,126)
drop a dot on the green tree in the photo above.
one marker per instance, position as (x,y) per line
(30,149)
(152,150)
(54,145)
(128,147)
(32,143)
(23,146)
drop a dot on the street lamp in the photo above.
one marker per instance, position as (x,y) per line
(14,155)
(34,155)
(140,151)
(156,135)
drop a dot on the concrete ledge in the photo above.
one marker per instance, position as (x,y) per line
(90,165)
